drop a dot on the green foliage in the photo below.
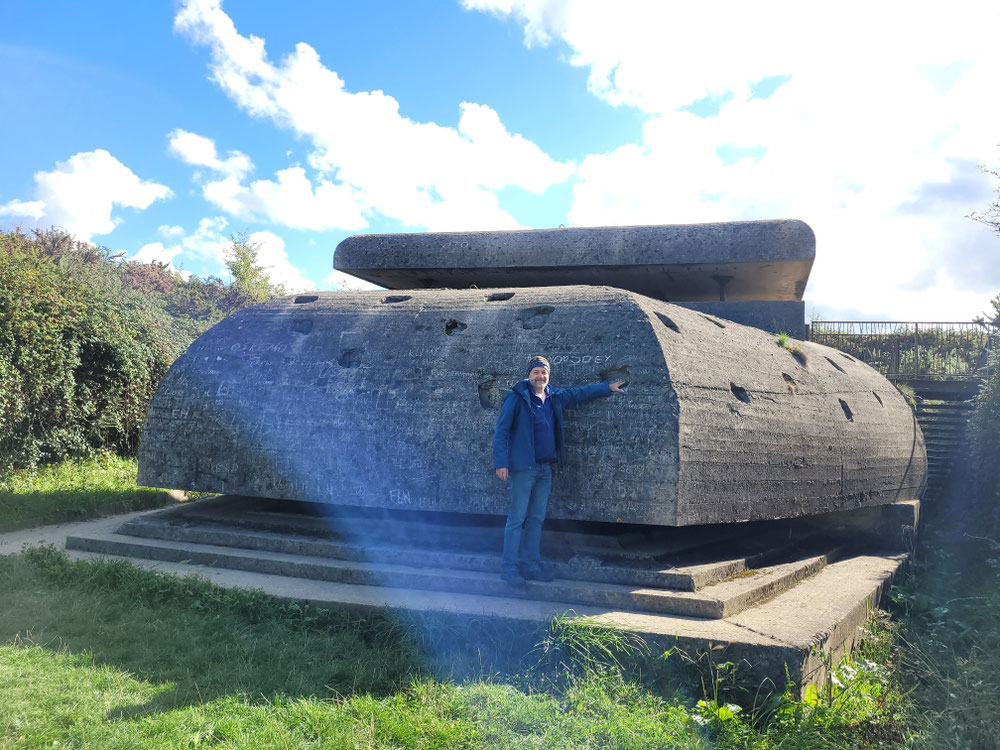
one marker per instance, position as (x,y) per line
(908,393)
(250,280)
(990,217)
(902,349)
(101,484)
(574,646)
(948,648)
(793,347)
(85,339)
(80,355)
(189,663)
(984,434)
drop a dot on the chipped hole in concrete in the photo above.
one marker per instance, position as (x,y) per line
(306,298)
(499,296)
(454,325)
(535,317)
(350,358)
(392,298)
(790,382)
(879,399)
(800,357)
(835,365)
(847,410)
(713,320)
(614,374)
(486,391)
(741,393)
(302,325)
(668,322)
(848,357)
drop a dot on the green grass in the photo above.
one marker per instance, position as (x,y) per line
(948,650)
(108,655)
(73,490)
(104,654)
(792,346)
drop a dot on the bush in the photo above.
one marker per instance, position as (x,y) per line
(82,349)
(985,443)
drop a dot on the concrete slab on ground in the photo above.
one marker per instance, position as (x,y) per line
(804,629)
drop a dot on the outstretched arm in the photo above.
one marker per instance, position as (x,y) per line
(583,393)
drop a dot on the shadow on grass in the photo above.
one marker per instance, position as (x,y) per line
(30,509)
(208,642)
(202,642)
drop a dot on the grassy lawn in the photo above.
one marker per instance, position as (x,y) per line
(74,490)
(106,655)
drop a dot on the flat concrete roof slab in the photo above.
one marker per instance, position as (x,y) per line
(739,260)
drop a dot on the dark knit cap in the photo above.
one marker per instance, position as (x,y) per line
(537,363)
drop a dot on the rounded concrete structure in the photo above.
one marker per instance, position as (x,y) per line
(388,399)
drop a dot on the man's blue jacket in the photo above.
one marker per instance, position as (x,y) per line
(514,436)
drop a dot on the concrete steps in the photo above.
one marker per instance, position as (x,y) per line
(690,577)
(944,425)
(661,571)
(720,600)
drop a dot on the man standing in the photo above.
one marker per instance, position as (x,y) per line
(527,440)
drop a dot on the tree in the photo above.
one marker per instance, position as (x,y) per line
(990,217)
(251,283)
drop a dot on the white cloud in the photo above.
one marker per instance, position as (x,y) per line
(206,247)
(33,209)
(885,101)
(209,245)
(200,151)
(290,200)
(80,194)
(155,251)
(271,256)
(166,230)
(369,157)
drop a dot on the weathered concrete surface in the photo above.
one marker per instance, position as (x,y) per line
(739,260)
(389,400)
(718,601)
(708,581)
(772,316)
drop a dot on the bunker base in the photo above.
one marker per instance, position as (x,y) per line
(779,595)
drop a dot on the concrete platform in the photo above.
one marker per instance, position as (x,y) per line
(804,628)
(646,575)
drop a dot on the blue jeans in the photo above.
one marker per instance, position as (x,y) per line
(529,496)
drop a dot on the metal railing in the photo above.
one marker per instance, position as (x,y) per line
(914,350)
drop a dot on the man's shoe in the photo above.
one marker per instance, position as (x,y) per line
(513,578)
(536,573)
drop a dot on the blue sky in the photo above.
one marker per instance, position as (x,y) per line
(161,128)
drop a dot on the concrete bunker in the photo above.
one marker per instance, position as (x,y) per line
(743,493)
(376,405)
